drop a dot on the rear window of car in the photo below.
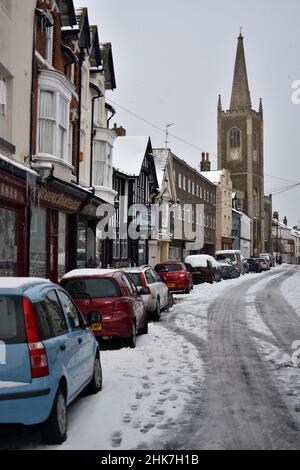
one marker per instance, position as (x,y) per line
(95,288)
(170,268)
(223,256)
(136,278)
(12,327)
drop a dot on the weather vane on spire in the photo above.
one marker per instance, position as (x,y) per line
(241,30)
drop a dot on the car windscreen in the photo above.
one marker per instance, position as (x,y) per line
(12,327)
(136,278)
(224,256)
(169,268)
(93,287)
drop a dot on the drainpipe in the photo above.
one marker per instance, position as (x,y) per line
(81,60)
(112,110)
(98,95)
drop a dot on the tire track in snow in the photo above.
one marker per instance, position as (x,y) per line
(241,407)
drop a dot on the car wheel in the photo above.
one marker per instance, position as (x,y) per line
(170,301)
(144,330)
(132,338)
(54,430)
(157,312)
(95,384)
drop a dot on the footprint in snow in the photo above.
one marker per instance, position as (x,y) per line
(138,395)
(147,428)
(116,439)
(126,418)
(134,407)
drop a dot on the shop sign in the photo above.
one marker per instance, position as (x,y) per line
(10,192)
(59,200)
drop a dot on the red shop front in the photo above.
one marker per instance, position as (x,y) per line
(13,226)
(51,229)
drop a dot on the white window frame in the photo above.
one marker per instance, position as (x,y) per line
(55,153)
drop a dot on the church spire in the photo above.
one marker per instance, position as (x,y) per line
(240,97)
(219,105)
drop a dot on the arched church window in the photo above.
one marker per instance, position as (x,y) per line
(235,139)
(235,144)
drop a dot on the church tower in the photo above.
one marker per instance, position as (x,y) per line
(240,149)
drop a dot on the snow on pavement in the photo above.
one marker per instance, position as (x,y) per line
(145,390)
(290,289)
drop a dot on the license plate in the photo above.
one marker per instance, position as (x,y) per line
(197,274)
(171,285)
(97,327)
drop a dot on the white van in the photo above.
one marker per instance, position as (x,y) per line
(234,256)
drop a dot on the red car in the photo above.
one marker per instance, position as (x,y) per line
(113,294)
(176,276)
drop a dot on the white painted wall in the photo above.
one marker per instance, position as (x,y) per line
(16,45)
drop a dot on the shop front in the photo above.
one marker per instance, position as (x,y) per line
(53,229)
(13,226)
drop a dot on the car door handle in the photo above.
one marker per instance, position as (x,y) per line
(62,347)
(79,340)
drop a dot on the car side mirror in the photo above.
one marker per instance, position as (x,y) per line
(94,317)
(142,290)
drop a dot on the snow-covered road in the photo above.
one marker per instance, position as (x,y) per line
(216,372)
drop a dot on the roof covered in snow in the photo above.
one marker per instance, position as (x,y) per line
(129,154)
(212,176)
(160,160)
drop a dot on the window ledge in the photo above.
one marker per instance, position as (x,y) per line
(53,159)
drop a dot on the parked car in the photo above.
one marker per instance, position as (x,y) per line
(49,355)
(203,268)
(264,264)
(176,276)
(113,294)
(254,265)
(155,293)
(269,257)
(246,265)
(226,270)
(234,256)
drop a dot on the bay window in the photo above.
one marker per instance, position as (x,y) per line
(103,168)
(53,132)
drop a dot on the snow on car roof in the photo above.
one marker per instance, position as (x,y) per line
(199,261)
(88,272)
(19,282)
(221,252)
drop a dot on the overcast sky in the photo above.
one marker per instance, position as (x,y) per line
(172,59)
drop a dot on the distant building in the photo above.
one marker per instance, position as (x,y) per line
(134,176)
(241,149)
(222,180)
(193,189)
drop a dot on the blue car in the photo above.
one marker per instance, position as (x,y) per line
(48,355)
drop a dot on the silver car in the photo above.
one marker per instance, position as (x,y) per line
(154,292)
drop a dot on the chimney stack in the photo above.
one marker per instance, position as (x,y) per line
(276,216)
(205,163)
(120,131)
